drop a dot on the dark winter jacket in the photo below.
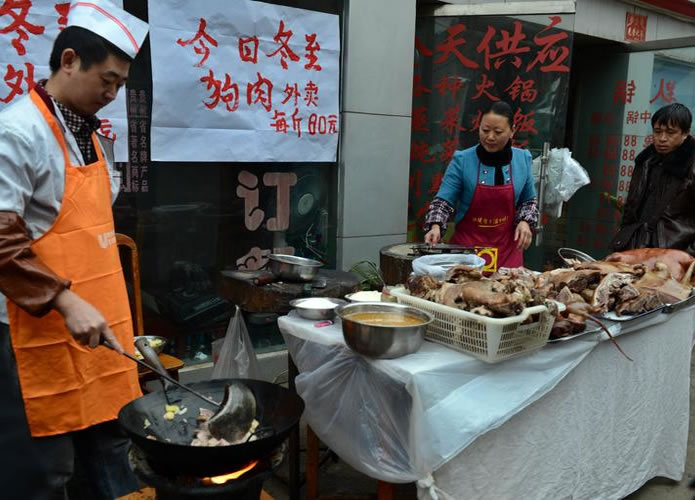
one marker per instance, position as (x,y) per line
(660,205)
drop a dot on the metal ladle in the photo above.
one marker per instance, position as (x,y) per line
(234,415)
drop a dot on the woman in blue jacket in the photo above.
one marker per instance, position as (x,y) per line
(492,187)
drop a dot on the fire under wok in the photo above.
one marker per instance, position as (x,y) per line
(168,449)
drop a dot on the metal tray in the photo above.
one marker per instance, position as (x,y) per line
(570,253)
(586,331)
(666,309)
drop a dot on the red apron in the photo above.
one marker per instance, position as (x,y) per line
(489,223)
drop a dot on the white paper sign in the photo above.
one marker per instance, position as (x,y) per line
(27,31)
(243,81)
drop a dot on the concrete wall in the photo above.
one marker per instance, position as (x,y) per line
(375,145)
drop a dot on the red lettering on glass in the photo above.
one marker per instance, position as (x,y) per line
(482,89)
(666,95)
(420,150)
(508,46)
(525,122)
(450,84)
(624,92)
(451,120)
(419,121)
(19,23)
(548,50)
(418,88)
(449,46)
(522,89)
(422,49)
(283,37)
(632,117)
(200,38)
(449,147)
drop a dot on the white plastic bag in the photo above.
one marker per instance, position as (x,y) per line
(437,265)
(237,358)
(564,177)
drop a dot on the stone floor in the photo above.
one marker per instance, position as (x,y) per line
(337,479)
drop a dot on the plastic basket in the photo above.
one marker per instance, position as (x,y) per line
(488,339)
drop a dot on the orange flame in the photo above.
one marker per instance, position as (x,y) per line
(232,475)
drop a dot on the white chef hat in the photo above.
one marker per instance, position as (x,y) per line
(102,17)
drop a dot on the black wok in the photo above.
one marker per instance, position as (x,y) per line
(278,411)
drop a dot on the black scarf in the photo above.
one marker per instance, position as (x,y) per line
(677,162)
(497,160)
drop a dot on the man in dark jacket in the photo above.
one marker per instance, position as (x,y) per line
(660,205)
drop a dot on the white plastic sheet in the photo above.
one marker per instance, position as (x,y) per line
(399,420)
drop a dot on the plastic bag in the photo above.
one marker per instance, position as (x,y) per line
(564,177)
(437,265)
(237,358)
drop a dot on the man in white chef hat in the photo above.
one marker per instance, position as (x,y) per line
(59,266)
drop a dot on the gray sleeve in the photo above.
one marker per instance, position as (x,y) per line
(17,172)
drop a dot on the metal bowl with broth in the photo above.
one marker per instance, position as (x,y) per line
(383,329)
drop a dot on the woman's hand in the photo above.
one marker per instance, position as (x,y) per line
(434,235)
(523,235)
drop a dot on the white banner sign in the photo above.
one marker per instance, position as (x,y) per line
(27,31)
(243,81)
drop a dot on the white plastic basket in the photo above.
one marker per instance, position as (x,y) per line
(488,339)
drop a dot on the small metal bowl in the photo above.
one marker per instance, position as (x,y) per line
(306,312)
(293,268)
(157,343)
(381,341)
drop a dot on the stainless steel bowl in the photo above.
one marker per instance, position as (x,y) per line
(569,256)
(157,343)
(293,268)
(304,309)
(378,341)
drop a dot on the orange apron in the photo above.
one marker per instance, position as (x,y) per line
(66,386)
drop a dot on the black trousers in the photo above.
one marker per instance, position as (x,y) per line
(40,468)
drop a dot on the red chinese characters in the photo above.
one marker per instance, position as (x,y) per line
(451,44)
(550,51)
(665,92)
(17,11)
(106,129)
(248,49)
(508,46)
(62,9)
(202,39)
(311,94)
(522,89)
(260,91)
(283,37)
(624,92)
(19,81)
(227,93)
(312,47)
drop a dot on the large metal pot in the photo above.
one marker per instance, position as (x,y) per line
(293,268)
(381,341)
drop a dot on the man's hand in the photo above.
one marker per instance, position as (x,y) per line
(523,235)
(434,235)
(83,321)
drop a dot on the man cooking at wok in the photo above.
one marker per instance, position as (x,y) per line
(491,189)
(59,263)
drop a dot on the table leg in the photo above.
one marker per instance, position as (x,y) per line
(386,491)
(294,435)
(312,464)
